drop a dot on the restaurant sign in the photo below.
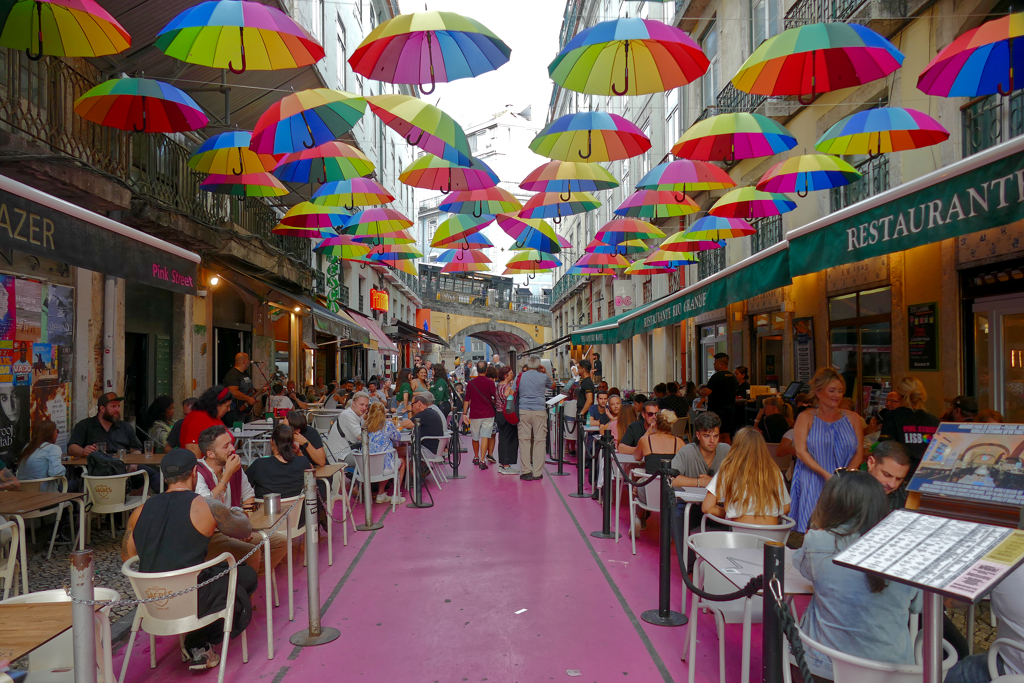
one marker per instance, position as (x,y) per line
(379,300)
(985,197)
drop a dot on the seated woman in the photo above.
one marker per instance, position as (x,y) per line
(749,487)
(159,421)
(41,458)
(774,419)
(658,442)
(384,436)
(284,472)
(850,611)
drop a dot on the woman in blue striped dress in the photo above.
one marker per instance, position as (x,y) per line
(826,439)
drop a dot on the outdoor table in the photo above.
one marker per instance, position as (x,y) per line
(153,460)
(17,503)
(28,625)
(739,566)
(328,471)
(261,524)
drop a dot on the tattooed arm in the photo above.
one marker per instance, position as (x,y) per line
(229,522)
(128,542)
(8,482)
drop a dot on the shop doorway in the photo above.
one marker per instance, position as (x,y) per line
(228,344)
(767,361)
(999,355)
(713,340)
(861,345)
(136,376)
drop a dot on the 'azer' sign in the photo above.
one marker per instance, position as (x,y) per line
(985,197)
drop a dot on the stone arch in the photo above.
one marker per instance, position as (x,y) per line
(500,335)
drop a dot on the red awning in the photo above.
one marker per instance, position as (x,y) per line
(384,345)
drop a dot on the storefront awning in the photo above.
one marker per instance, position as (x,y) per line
(40,224)
(602,332)
(984,190)
(547,346)
(412,333)
(384,345)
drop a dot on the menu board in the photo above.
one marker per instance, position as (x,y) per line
(974,461)
(958,559)
(922,321)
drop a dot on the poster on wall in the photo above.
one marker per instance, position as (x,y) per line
(7,307)
(28,297)
(50,402)
(14,422)
(44,365)
(803,349)
(60,315)
(922,337)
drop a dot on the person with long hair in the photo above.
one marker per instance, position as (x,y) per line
(420,382)
(853,612)
(658,441)
(209,411)
(508,433)
(909,423)
(774,419)
(439,388)
(405,392)
(283,472)
(492,374)
(749,487)
(621,415)
(41,457)
(827,438)
(385,437)
(158,421)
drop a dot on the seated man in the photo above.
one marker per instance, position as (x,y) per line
(278,402)
(431,421)
(308,438)
(350,425)
(174,438)
(674,402)
(648,412)
(107,428)
(298,400)
(889,465)
(219,477)
(172,531)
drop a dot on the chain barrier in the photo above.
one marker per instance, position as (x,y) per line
(66,584)
(327,508)
(635,484)
(789,627)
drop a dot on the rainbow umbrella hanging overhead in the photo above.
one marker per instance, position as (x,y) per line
(458,227)
(465,267)
(641,268)
(882,130)
(591,270)
(593,260)
(489,201)
(378,223)
(238,35)
(423,125)
(298,231)
(349,194)
(749,202)
(601,59)
(531,263)
(806,173)
(552,205)
(344,247)
(330,161)
(515,225)
(815,59)
(462,256)
(475,241)
(431,172)
(731,137)
(628,228)
(536,239)
(229,153)
(246,185)
(307,215)
(623,247)
(982,61)
(142,105)
(400,237)
(715,228)
(671,259)
(306,119)
(434,47)
(595,136)
(680,243)
(63,28)
(680,175)
(394,252)
(655,204)
(568,176)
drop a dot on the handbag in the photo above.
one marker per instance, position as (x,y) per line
(510,411)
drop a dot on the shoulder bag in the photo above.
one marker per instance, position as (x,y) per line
(511,407)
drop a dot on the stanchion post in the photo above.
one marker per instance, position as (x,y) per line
(773,657)
(455,448)
(560,440)
(315,634)
(417,463)
(664,616)
(369,525)
(606,446)
(83,631)
(581,458)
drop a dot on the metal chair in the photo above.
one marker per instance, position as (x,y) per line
(435,461)
(9,556)
(34,486)
(337,489)
(107,495)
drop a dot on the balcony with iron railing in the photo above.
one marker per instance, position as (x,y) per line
(819,11)
(874,180)
(432,202)
(988,121)
(732,101)
(769,232)
(711,261)
(563,286)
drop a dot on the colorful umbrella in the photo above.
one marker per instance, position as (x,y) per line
(604,137)
(627,228)
(624,247)
(882,130)
(394,252)
(815,59)
(307,215)
(307,119)
(400,237)
(142,105)
(344,247)
(731,137)
(349,194)
(434,173)
(268,39)
(330,161)
(537,239)
(63,28)
(457,228)
(655,204)
(515,225)
(531,262)
(661,57)
(551,205)
(807,172)
(641,268)
(680,243)
(671,259)
(489,201)
(591,270)
(591,260)
(377,222)
(568,176)
(681,175)
(462,256)
(979,62)
(475,241)
(439,47)
(229,152)
(423,125)
(247,185)
(465,267)
(749,202)
(715,228)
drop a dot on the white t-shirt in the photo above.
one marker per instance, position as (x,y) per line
(732,512)
(789,435)
(276,403)
(203,490)
(1008,608)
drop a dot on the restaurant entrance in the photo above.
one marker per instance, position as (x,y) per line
(861,336)
(999,353)
(768,329)
(713,340)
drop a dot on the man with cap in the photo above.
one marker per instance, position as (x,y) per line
(961,409)
(106,427)
(431,420)
(172,531)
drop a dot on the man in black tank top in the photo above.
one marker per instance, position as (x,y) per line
(172,531)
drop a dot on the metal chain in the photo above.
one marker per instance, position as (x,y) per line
(789,627)
(129,603)
(327,508)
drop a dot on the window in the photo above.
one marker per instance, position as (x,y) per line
(861,344)
(342,56)
(710,81)
(672,116)
(316,22)
(764,21)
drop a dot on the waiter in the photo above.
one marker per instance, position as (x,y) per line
(721,392)
(239,384)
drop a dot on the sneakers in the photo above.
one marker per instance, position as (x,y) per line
(483,465)
(203,658)
(505,469)
(397,500)
(526,477)
(383,498)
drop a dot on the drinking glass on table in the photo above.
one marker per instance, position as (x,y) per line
(148,448)
(102,447)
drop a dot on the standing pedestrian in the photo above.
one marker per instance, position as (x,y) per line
(492,374)
(721,394)
(533,418)
(439,388)
(480,398)
(508,433)
(596,367)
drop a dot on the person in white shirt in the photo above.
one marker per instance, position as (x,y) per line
(278,401)
(220,477)
(350,426)
(1008,612)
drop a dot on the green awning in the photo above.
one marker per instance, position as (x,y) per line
(602,332)
(982,191)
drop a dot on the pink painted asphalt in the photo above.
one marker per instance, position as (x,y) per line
(433,596)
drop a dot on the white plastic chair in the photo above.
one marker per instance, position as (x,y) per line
(337,489)
(652,491)
(377,473)
(774,532)
(435,461)
(34,486)
(54,661)
(322,422)
(9,556)
(107,496)
(178,616)
(993,655)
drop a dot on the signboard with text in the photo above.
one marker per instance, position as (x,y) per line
(379,300)
(922,336)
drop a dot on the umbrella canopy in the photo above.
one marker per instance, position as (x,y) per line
(307,215)
(64,28)
(681,175)
(489,201)
(681,243)
(458,227)
(600,60)
(307,119)
(627,228)
(978,62)
(731,137)
(807,172)
(394,252)
(882,130)
(655,204)
(475,241)
(330,161)
(568,176)
(591,260)
(536,239)
(370,239)
(594,136)
(434,47)
(349,194)
(229,152)
(431,172)
(465,267)
(463,256)
(377,222)
(514,225)
(246,185)
(591,270)
(641,268)
(670,259)
(238,35)
(423,125)
(749,202)
(551,205)
(624,247)
(142,105)
(532,260)
(344,247)
(714,228)
(817,58)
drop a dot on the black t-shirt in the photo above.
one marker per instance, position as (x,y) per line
(597,367)
(596,414)
(236,378)
(742,389)
(722,400)
(89,431)
(270,475)
(773,428)
(313,437)
(913,429)
(586,386)
(633,433)
(174,438)
(431,425)
(677,404)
